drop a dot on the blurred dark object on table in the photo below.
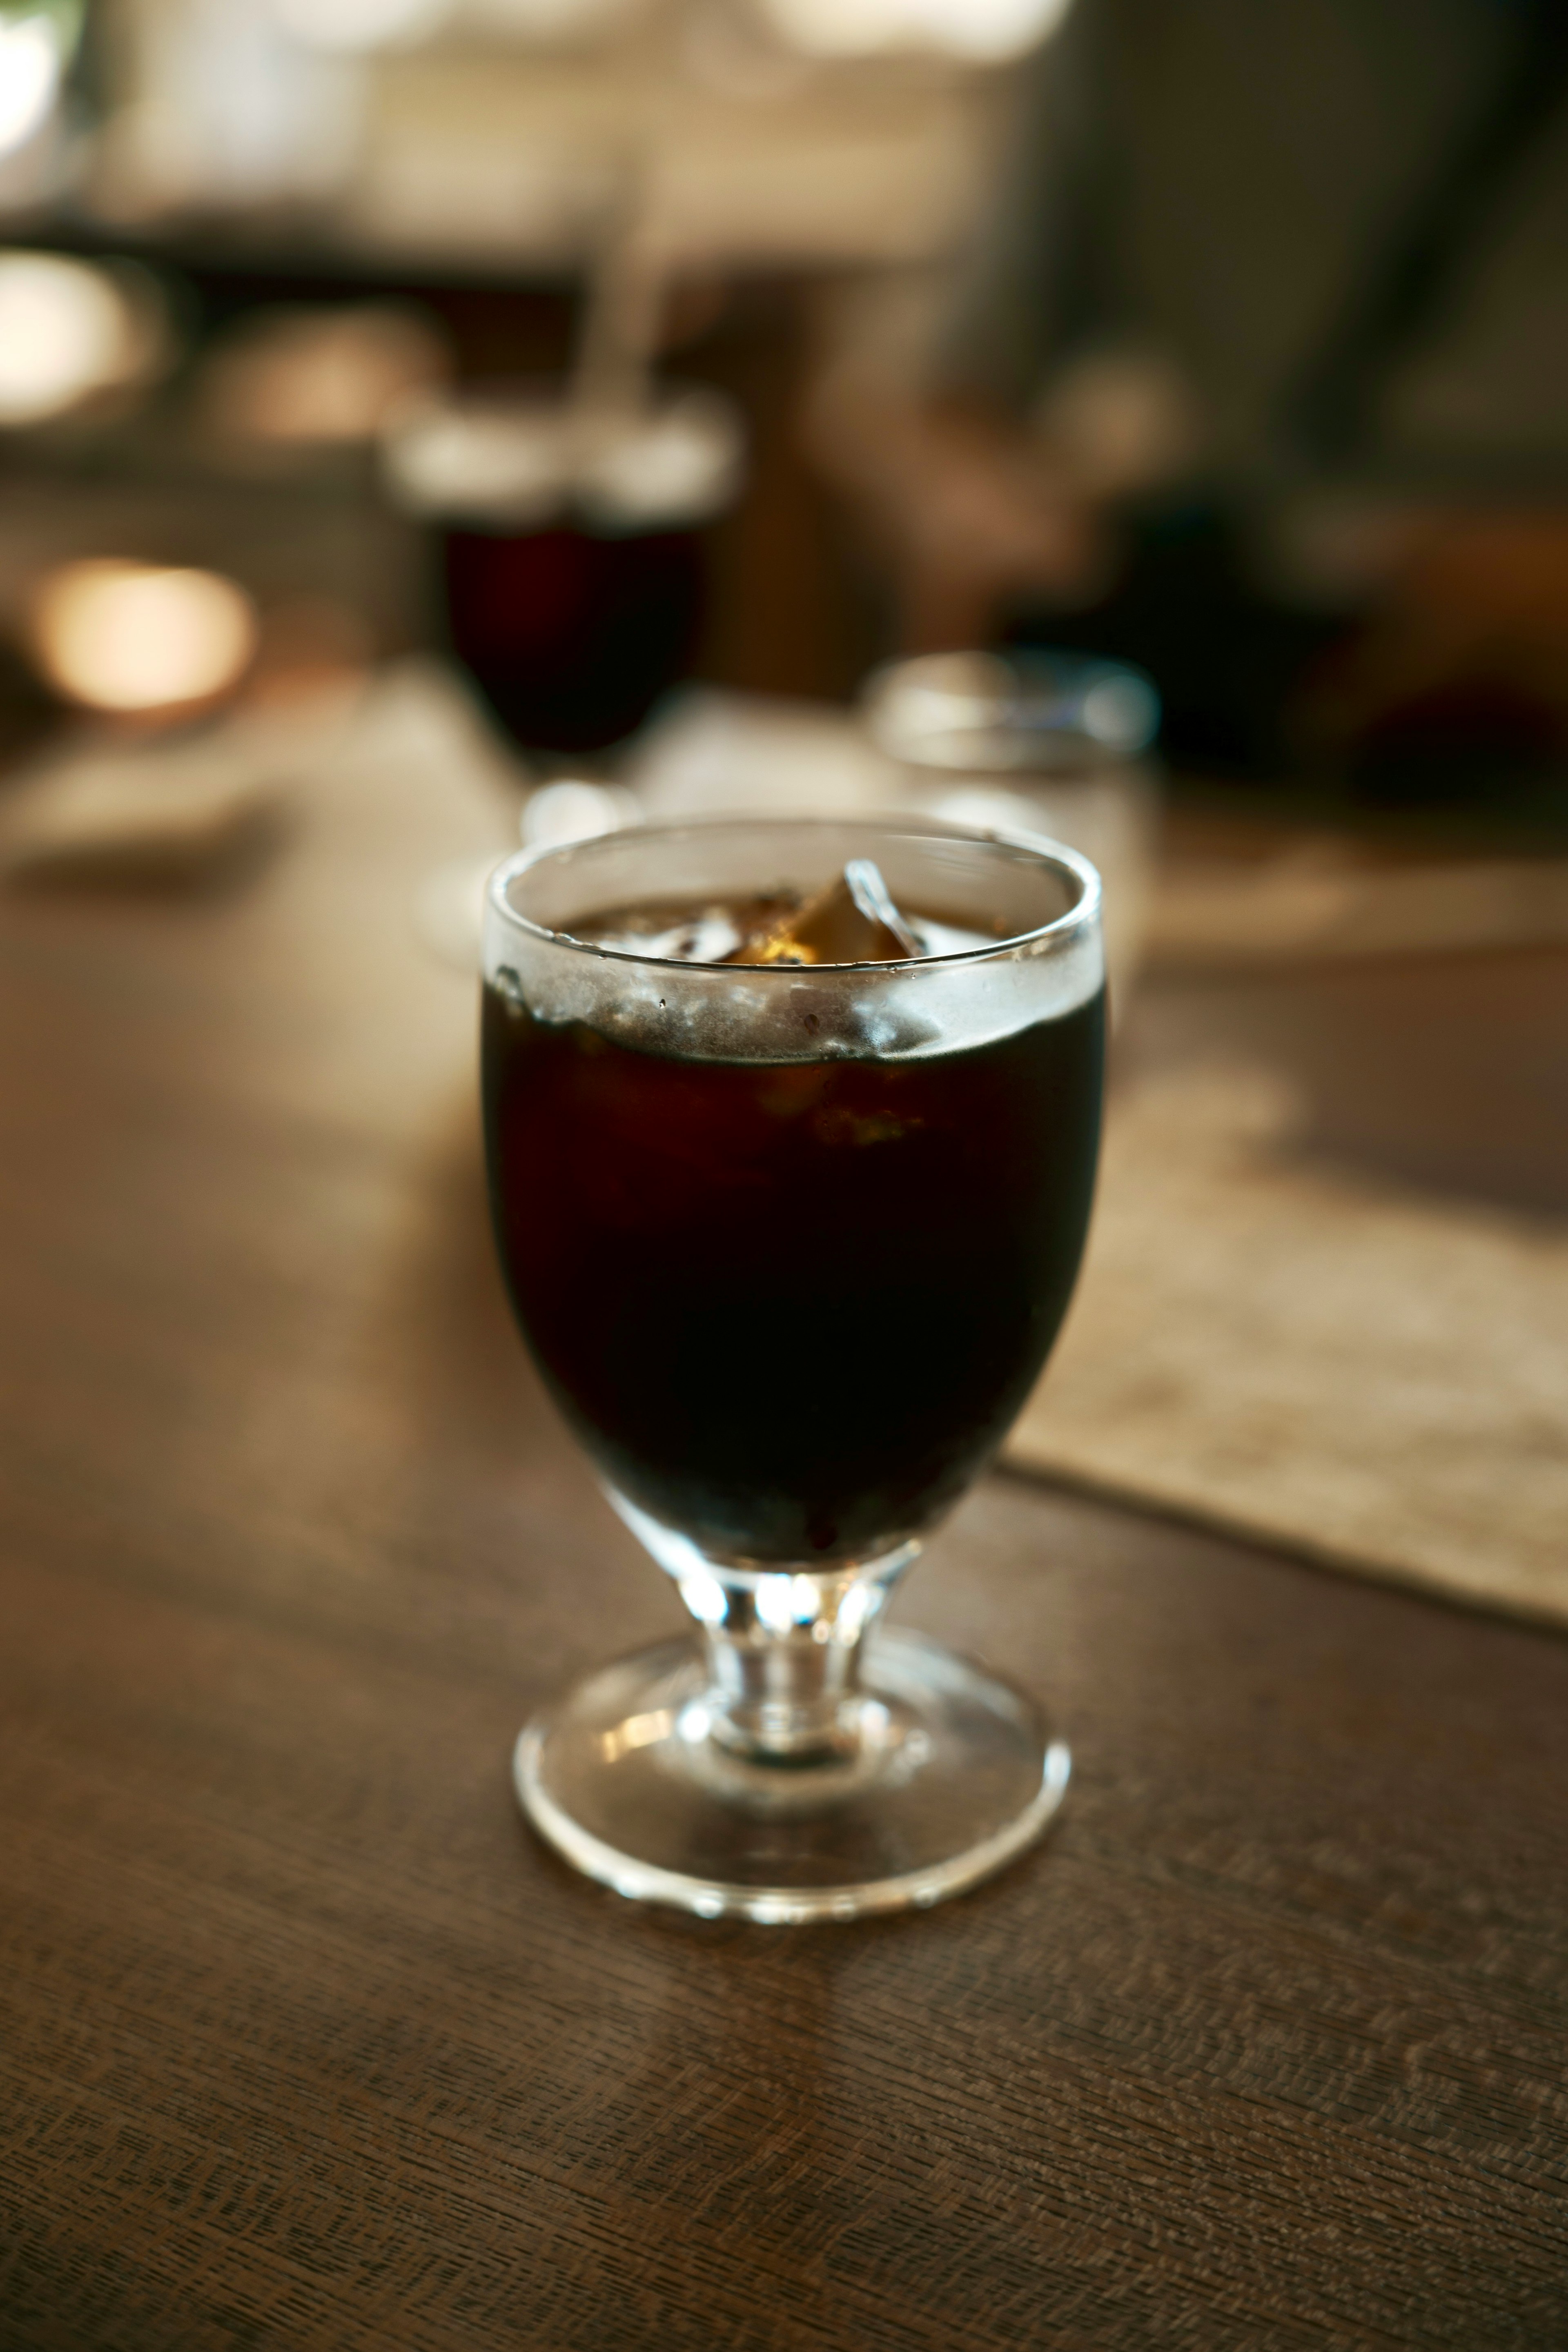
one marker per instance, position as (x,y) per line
(1456,683)
(1445,689)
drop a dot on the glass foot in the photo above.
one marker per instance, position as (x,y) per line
(941,1775)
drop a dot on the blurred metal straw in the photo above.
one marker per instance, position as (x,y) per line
(613,364)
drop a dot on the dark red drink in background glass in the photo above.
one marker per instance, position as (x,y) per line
(571,548)
(573,636)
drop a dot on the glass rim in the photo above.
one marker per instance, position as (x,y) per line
(1039,850)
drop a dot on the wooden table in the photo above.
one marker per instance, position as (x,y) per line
(305,2042)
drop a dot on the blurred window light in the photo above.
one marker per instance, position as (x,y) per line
(122,636)
(359,25)
(30,63)
(223,107)
(65,330)
(981,32)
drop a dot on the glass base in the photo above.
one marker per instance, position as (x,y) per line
(941,1775)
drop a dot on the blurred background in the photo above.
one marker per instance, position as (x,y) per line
(657,372)
(247,238)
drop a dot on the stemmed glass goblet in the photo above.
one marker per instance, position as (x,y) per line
(570,548)
(789,1242)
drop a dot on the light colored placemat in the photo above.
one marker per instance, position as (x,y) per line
(1357,1371)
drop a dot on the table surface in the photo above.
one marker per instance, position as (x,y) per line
(305,2042)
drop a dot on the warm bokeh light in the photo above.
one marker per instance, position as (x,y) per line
(132,636)
(316,374)
(29,77)
(984,31)
(65,330)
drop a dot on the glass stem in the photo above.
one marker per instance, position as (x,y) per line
(784,1656)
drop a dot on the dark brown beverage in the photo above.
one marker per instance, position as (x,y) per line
(790,1306)
(572,539)
(571,635)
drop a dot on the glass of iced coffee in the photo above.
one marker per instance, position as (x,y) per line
(570,547)
(791,1129)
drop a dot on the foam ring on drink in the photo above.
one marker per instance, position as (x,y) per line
(981,984)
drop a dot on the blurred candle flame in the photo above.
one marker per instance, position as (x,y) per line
(121,637)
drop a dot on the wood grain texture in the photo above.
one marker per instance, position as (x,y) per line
(304,2041)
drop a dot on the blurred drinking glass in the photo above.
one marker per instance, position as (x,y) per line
(1045,742)
(570,548)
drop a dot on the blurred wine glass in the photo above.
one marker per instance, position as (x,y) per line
(569,547)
